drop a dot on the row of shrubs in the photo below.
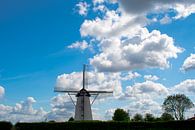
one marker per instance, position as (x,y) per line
(93,125)
(5,126)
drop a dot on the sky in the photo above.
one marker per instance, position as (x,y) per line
(143,51)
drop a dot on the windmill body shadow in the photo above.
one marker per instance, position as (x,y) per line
(83,105)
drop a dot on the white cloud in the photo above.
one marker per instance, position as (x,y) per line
(183,8)
(101,8)
(82,8)
(145,106)
(95,81)
(186,87)
(96,113)
(122,37)
(4,110)
(71,81)
(145,97)
(145,90)
(62,108)
(130,75)
(98,2)
(2,91)
(189,63)
(113,24)
(151,77)
(79,45)
(109,114)
(22,111)
(143,50)
(25,107)
(165,20)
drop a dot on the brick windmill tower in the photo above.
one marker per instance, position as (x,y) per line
(83,104)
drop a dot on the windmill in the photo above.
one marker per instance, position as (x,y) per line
(83,104)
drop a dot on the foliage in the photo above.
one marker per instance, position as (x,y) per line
(52,121)
(71,119)
(5,126)
(177,105)
(137,117)
(100,125)
(166,117)
(149,117)
(120,115)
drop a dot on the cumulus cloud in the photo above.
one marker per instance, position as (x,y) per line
(130,75)
(22,112)
(95,81)
(62,108)
(98,2)
(143,50)
(147,89)
(2,91)
(151,77)
(165,20)
(146,97)
(145,106)
(113,24)
(187,87)
(189,63)
(183,8)
(109,114)
(123,37)
(79,45)
(4,110)
(101,8)
(82,8)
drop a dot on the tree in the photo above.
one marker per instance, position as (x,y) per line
(149,117)
(166,117)
(176,105)
(120,115)
(138,117)
(71,119)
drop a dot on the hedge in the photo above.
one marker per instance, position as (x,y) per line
(5,125)
(98,125)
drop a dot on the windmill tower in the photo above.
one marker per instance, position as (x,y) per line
(83,104)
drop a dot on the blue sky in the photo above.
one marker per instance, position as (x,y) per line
(40,40)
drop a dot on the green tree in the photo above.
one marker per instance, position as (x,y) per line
(166,117)
(149,117)
(138,117)
(120,115)
(176,105)
(71,119)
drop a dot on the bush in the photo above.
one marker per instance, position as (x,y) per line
(138,117)
(167,117)
(149,117)
(120,115)
(99,125)
(5,126)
